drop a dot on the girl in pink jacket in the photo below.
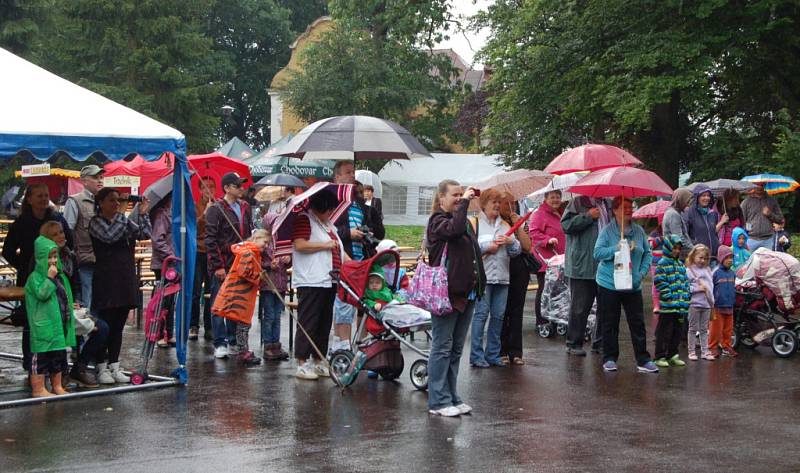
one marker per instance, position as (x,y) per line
(547,240)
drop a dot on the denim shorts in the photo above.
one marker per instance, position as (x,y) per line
(343,313)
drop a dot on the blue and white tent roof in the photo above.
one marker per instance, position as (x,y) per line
(45,114)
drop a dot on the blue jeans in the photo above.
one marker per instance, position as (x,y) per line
(224,329)
(448,334)
(492,307)
(754,244)
(270,309)
(86,273)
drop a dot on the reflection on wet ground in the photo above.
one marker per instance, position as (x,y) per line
(553,414)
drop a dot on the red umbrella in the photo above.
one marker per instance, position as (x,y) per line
(591,157)
(148,171)
(215,165)
(653,210)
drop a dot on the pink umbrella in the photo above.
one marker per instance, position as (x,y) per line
(591,157)
(653,210)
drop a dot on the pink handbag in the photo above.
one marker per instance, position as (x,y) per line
(429,289)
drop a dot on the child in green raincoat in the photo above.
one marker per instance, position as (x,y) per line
(378,293)
(48,301)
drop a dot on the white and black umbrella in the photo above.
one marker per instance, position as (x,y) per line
(282,180)
(354,137)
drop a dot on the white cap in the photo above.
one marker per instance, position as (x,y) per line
(386,245)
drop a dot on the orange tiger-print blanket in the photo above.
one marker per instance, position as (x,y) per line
(236,299)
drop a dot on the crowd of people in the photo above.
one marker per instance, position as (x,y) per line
(83,263)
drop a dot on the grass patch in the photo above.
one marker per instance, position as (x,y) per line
(405,235)
(794,250)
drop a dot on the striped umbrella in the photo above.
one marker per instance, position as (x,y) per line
(774,183)
(354,137)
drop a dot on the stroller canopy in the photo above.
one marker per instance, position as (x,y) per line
(779,272)
(356,273)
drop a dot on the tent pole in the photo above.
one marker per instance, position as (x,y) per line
(182,305)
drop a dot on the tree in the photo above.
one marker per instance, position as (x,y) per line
(666,79)
(149,55)
(304,12)
(20,22)
(378,61)
(254,36)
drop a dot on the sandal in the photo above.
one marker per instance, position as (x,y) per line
(517,361)
(162,343)
(504,359)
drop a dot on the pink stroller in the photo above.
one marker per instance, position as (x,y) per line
(155,315)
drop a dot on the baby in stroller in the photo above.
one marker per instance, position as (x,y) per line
(390,306)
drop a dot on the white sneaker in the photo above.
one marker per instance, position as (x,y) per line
(221,352)
(306,371)
(464,408)
(321,370)
(117,374)
(449,411)
(103,375)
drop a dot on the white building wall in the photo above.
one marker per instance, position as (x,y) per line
(275,116)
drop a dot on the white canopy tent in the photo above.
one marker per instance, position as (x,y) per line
(409,185)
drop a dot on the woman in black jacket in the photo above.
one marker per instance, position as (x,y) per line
(114,284)
(448,228)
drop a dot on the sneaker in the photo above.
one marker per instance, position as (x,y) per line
(729,352)
(248,358)
(662,363)
(80,375)
(194,332)
(163,343)
(464,408)
(221,352)
(233,350)
(117,374)
(306,371)
(449,411)
(104,375)
(321,370)
(692,356)
(610,365)
(575,351)
(648,367)
(709,357)
(676,361)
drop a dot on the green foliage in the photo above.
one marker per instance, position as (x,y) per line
(680,84)
(374,63)
(19,23)
(304,12)
(405,235)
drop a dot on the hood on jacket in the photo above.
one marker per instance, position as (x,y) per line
(269,221)
(735,237)
(681,198)
(42,247)
(670,242)
(723,252)
(377,270)
(699,190)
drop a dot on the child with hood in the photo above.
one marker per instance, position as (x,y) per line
(237,296)
(673,289)
(720,328)
(741,253)
(48,300)
(378,293)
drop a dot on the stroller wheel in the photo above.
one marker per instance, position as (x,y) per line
(419,374)
(561,329)
(340,364)
(784,343)
(546,330)
(735,339)
(138,378)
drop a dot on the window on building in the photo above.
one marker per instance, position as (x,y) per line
(394,199)
(425,200)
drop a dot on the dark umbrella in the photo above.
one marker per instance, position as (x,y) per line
(282,180)
(719,186)
(158,191)
(354,137)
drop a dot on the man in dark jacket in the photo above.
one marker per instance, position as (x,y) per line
(228,221)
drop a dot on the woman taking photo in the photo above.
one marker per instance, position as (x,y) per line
(317,251)
(114,284)
(548,239)
(448,228)
(611,300)
(497,249)
(18,246)
(519,277)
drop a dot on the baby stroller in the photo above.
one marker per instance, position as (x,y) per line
(556,299)
(381,350)
(767,302)
(155,314)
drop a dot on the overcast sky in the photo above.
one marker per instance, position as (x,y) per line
(466,44)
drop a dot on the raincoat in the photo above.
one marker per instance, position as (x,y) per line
(49,331)
(237,296)
(382,296)
(701,222)
(673,224)
(671,280)
(740,253)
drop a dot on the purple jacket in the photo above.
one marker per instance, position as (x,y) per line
(699,297)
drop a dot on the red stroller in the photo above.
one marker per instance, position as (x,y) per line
(155,315)
(380,351)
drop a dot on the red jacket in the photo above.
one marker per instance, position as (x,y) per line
(546,224)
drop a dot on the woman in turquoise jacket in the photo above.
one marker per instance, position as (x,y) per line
(48,301)
(611,300)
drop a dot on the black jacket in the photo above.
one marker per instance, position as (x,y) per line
(374,224)
(23,231)
(220,235)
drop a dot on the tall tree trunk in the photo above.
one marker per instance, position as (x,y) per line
(666,145)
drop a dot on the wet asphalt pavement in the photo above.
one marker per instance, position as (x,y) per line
(553,414)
